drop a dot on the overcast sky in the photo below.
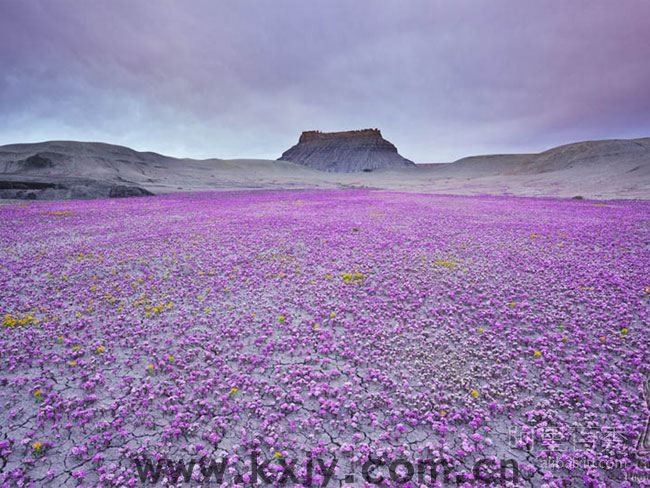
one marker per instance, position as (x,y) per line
(217,78)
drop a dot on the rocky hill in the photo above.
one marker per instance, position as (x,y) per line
(345,152)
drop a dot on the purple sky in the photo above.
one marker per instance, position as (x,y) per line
(239,78)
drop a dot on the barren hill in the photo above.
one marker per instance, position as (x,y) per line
(68,169)
(617,155)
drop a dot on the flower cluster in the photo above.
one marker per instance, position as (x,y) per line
(340,323)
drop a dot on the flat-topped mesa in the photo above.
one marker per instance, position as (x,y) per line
(345,152)
(309,135)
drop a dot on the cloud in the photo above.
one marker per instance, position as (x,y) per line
(243,78)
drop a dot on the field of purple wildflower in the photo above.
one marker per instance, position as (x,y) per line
(324,323)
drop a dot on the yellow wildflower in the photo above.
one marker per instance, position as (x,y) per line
(38,447)
(11,321)
(60,213)
(474,393)
(354,277)
(282,319)
(233,391)
(100,349)
(445,263)
(277,454)
(625,331)
(537,354)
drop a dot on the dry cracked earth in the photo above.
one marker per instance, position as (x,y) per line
(377,329)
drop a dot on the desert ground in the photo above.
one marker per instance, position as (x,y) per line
(318,324)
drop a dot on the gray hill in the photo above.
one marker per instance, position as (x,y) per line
(68,169)
(590,161)
(621,154)
(345,152)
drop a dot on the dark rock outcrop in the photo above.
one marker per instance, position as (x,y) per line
(345,152)
(24,188)
(37,161)
(123,191)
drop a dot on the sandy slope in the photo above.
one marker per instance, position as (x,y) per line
(596,169)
